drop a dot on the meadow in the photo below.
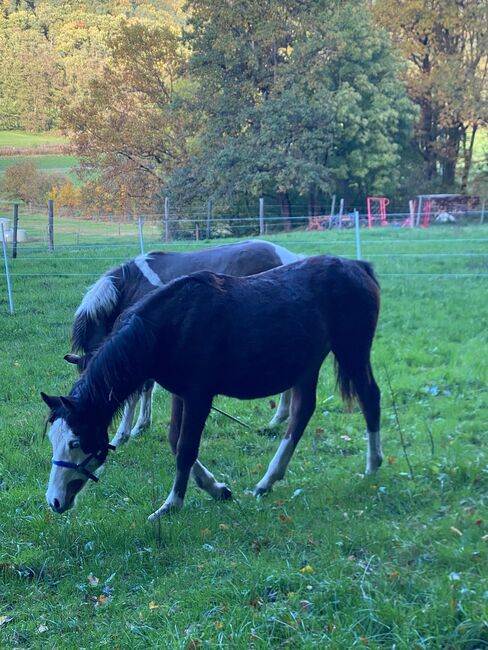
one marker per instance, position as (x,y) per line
(330,559)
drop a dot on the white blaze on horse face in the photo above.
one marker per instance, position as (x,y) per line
(64,483)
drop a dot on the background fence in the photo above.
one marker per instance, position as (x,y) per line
(50,245)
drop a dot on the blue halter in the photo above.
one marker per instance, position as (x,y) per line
(81,467)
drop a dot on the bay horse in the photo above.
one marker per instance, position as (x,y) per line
(122,286)
(208,334)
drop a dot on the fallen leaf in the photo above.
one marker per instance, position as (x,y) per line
(205,532)
(224,526)
(219,625)
(5,619)
(102,600)
(193,644)
(93,580)
(456,530)
(42,628)
(479,522)
(285,519)
(272,404)
(153,605)
(391,460)
(308,568)
(306,605)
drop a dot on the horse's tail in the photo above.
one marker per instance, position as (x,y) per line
(355,312)
(97,312)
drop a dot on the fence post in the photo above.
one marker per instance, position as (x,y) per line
(7,273)
(358,236)
(141,235)
(332,207)
(341,212)
(411,207)
(209,219)
(261,216)
(482,215)
(166,218)
(50,225)
(16,223)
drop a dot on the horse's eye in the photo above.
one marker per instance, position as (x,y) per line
(74,444)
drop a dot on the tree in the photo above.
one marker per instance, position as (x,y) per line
(130,126)
(446,45)
(296,98)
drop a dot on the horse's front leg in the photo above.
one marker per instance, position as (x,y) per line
(195,411)
(144,420)
(125,426)
(283,410)
(203,477)
(302,408)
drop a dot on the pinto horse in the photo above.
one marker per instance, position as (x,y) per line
(208,334)
(124,285)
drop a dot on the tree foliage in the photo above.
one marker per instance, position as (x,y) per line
(296,98)
(446,45)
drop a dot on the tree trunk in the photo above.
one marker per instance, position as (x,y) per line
(285,208)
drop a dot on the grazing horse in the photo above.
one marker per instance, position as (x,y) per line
(208,334)
(124,285)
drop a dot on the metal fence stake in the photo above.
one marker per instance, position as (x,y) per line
(7,273)
(358,235)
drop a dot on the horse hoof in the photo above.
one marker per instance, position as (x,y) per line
(225,494)
(260,491)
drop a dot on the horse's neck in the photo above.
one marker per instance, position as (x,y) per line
(119,368)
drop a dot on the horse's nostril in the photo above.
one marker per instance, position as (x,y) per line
(55,504)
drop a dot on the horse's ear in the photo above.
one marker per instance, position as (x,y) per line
(55,402)
(68,403)
(72,358)
(51,400)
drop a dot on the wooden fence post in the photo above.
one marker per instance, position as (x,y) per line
(16,223)
(50,225)
(209,219)
(261,216)
(166,218)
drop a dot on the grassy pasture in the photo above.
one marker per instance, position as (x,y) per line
(330,559)
(28,140)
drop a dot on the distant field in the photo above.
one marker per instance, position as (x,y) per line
(21,139)
(47,163)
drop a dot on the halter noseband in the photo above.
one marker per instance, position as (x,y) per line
(81,467)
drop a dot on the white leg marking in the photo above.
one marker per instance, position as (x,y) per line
(277,467)
(172,504)
(123,432)
(206,481)
(144,420)
(142,264)
(374,456)
(283,410)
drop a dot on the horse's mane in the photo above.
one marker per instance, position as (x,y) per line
(99,307)
(120,364)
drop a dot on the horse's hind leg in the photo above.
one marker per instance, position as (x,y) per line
(302,408)
(203,477)
(144,420)
(124,429)
(194,414)
(283,410)
(369,395)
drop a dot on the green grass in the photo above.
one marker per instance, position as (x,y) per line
(392,561)
(47,163)
(23,139)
